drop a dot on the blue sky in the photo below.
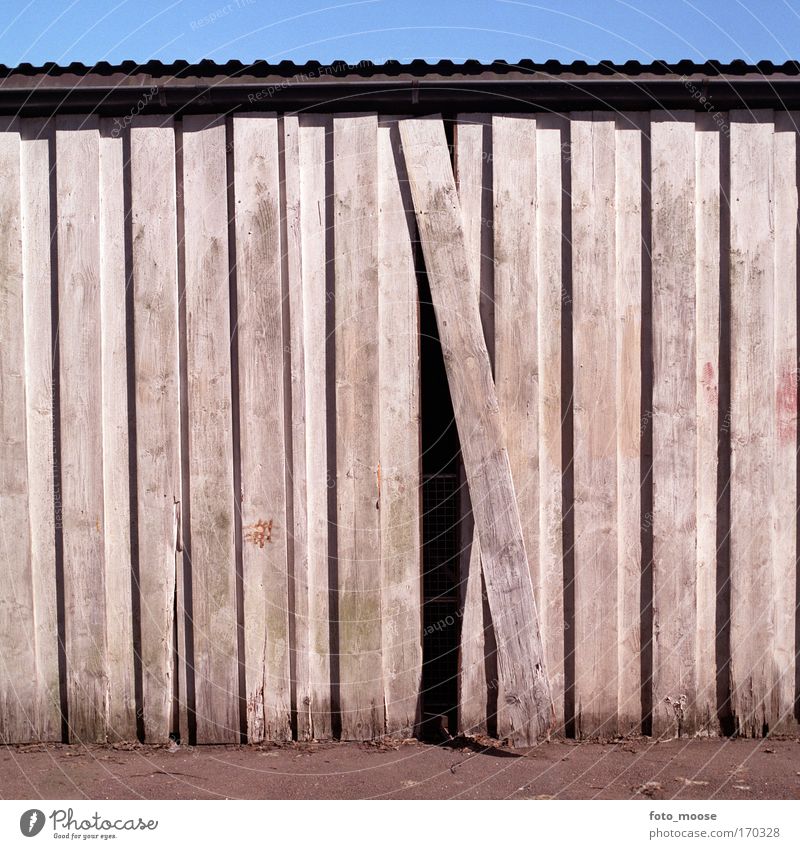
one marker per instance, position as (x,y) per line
(92,30)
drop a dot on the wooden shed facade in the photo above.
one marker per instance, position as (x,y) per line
(232,298)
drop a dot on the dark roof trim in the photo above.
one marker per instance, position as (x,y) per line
(418,68)
(413,88)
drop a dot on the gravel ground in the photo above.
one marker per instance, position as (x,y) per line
(629,769)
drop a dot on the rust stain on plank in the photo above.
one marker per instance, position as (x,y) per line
(259,533)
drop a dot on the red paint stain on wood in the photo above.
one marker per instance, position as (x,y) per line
(786,405)
(259,533)
(709,383)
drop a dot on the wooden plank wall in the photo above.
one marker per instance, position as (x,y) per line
(182,485)
(642,264)
(508,170)
(526,714)
(209,383)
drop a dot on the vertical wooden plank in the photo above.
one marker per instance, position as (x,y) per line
(516,360)
(474,159)
(784,411)
(516,365)
(628,247)
(674,425)
(306,191)
(707,217)
(473,175)
(357,425)
(157,399)
(315,194)
(526,696)
(17,612)
(595,450)
(184,713)
(316,135)
(265,565)
(37,136)
(753,589)
(399,468)
(298,647)
(78,197)
(210,429)
(549,580)
(116,498)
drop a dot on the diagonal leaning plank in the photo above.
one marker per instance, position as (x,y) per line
(520,656)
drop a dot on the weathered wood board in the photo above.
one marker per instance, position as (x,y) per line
(210,429)
(307,193)
(473,172)
(18,688)
(355,191)
(548,582)
(763,420)
(400,461)
(752,346)
(516,322)
(116,438)
(708,177)
(81,416)
(784,498)
(674,425)
(596,427)
(631,135)
(260,340)
(44,511)
(157,402)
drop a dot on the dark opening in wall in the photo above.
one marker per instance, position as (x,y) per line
(441,513)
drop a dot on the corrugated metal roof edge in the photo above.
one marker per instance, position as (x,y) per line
(416,87)
(181,68)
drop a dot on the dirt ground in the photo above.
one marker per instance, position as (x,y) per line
(629,769)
